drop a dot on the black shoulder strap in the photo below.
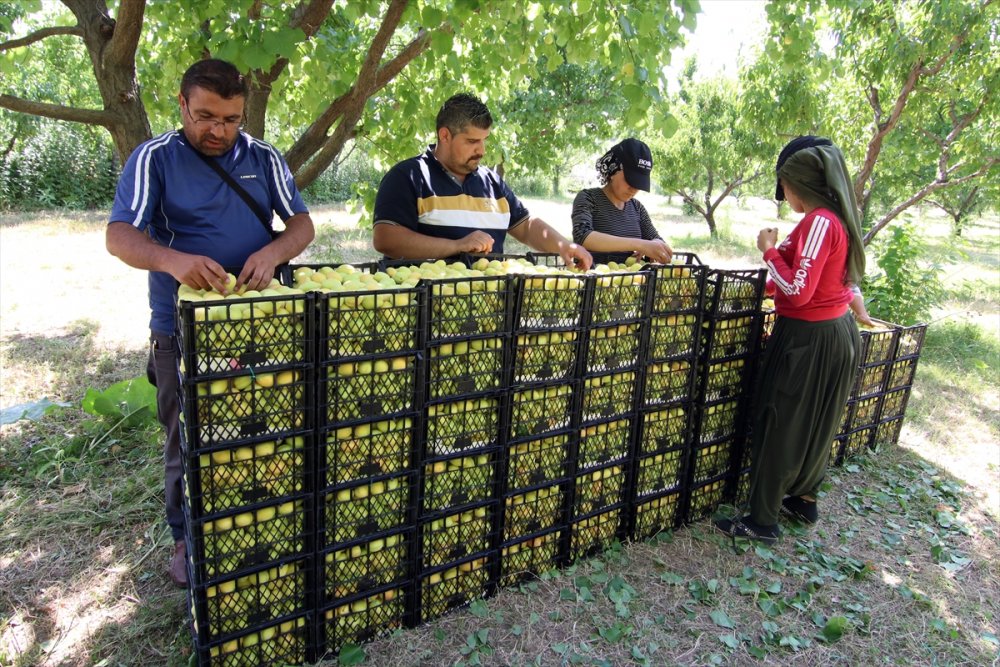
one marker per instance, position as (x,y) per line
(244,195)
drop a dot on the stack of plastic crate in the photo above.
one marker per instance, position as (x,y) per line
(730,351)
(467,353)
(899,384)
(247,443)
(547,338)
(615,315)
(667,404)
(861,414)
(370,393)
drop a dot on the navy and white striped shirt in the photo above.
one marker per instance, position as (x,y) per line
(167,189)
(421,195)
(594,212)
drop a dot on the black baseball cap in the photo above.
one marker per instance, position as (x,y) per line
(637,162)
(790,149)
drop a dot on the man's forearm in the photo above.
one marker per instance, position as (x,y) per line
(136,249)
(539,235)
(299,233)
(399,242)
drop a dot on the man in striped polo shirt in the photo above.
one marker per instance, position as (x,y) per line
(444,202)
(175,217)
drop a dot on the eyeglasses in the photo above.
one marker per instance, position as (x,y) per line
(211,123)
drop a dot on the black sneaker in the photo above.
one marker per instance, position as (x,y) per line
(748,529)
(803,511)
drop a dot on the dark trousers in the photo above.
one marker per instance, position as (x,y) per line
(163,372)
(806,378)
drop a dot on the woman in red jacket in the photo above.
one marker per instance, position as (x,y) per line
(809,366)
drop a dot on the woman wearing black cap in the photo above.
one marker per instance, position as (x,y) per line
(809,366)
(608,221)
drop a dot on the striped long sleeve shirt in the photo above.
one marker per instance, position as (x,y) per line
(594,212)
(806,272)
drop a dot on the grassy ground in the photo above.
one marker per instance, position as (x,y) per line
(902,569)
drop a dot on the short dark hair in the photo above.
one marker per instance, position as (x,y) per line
(217,76)
(460,111)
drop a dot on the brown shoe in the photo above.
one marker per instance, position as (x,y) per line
(178,565)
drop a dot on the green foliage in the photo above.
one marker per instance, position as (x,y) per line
(131,403)
(344,180)
(903,291)
(56,165)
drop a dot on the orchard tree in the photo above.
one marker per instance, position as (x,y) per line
(323,75)
(713,151)
(912,90)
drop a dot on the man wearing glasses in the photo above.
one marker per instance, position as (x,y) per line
(177,217)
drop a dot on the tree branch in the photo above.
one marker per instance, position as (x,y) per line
(125,38)
(934,186)
(57,111)
(41,34)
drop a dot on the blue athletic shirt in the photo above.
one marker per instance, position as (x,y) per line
(167,189)
(421,195)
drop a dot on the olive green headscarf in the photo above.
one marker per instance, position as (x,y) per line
(819,175)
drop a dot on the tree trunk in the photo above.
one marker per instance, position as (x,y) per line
(710,219)
(111,45)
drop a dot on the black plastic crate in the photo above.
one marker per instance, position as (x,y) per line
(364,617)
(278,643)
(459,367)
(703,499)
(664,428)
(237,605)
(544,356)
(713,459)
(870,380)
(463,425)
(368,388)
(248,538)
(454,585)
(865,412)
(360,509)
(539,409)
(618,297)
(668,382)
(720,419)
(673,335)
(247,405)
(663,471)
(534,510)
(677,288)
(469,306)
(524,558)
(255,472)
(595,532)
(726,379)
(535,461)
(887,433)
(257,332)
(353,452)
(550,300)
(735,336)
(597,489)
(371,564)
(878,344)
(837,450)
(451,536)
(894,404)
(613,347)
(734,292)
(459,480)
(902,373)
(608,395)
(857,442)
(364,323)
(604,442)
(654,514)
(911,341)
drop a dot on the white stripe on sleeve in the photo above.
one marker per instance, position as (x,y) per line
(816,235)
